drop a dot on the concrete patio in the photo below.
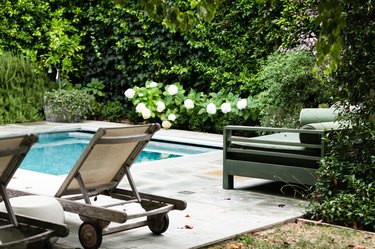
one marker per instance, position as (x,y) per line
(212,215)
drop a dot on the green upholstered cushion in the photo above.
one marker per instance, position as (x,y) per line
(274,146)
(322,126)
(316,138)
(317,115)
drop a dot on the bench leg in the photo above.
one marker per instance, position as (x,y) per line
(228,182)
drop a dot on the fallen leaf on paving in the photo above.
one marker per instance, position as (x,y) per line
(188,227)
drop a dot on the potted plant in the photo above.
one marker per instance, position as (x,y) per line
(67,105)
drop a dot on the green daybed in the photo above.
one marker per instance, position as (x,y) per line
(285,155)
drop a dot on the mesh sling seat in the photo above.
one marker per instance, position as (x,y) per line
(20,231)
(98,172)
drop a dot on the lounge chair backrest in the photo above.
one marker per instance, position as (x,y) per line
(102,164)
(12,151)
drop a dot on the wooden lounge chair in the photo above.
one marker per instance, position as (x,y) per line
(101,167)
(21,231)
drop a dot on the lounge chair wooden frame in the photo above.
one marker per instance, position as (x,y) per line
(37,232)
(77,189)
(272,159)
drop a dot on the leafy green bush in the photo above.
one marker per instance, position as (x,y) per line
(289,86)
(196,110)
(345,189)
(22,87)
(45,32)
(241,35)
(68,105)
(345,192)
(113,111)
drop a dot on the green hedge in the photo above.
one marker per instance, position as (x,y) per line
(21,90)
(289,85)
(121,46)
(345,192)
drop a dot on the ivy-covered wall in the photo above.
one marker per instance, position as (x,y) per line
(123,47)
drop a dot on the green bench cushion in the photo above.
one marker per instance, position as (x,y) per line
(258,148)
(317,115)
(315,138)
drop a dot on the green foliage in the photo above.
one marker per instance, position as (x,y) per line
(332,23)
(113,111)
(122,46)
(240,36)
(95,87)
(195,111)
(21,89)
(63,49)
(21,26)
(127,50)
(44,31)
(345,189)
(180,15)
(68,105)
(289,86)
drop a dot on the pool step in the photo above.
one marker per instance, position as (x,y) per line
(78,134)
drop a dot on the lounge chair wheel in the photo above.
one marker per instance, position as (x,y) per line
(158,224)
(90,235)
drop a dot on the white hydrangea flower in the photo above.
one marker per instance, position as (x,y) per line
(172,117)
(160,106)
(146,113)
(189,104)
(166,124)
(152,84)
(241,104)
(140,107)
(211,108)
(129,93)
(172,90)
(225,107)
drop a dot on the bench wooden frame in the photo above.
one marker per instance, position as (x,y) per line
(238,152)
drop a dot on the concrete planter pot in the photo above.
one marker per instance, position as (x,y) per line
(67,105)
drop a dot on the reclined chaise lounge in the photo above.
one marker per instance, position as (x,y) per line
(20,231)
(98,172)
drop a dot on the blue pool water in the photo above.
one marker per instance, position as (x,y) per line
(56,153)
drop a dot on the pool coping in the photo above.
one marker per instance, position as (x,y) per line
(171,135)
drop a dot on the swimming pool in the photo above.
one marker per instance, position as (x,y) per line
(56,153)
